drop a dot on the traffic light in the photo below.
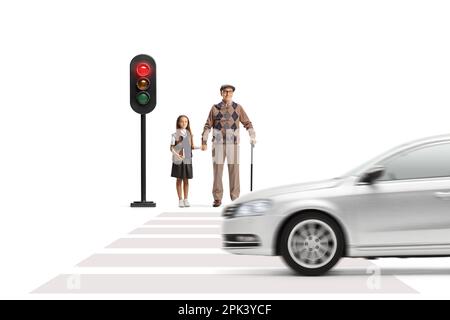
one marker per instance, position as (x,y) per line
(143,101)
(143,84)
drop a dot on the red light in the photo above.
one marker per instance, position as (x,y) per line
(143,69)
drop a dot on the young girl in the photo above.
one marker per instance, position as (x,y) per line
(181,147)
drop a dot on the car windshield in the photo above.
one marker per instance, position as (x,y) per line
(390,152)
(356,170)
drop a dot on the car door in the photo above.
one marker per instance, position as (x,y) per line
(409,206)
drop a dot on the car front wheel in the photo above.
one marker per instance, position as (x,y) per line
(311,244)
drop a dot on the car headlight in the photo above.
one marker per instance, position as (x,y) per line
(253,208)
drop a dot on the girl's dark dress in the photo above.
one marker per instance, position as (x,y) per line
(182,145)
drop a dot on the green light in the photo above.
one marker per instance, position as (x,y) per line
(143,98)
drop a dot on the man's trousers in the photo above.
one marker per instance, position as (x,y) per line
(230,153)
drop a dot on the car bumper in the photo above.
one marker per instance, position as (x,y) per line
(250,235)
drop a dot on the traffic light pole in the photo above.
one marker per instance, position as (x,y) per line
(143,158)
(251,170)
(143,202)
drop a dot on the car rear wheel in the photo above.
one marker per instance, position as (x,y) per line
(311,244)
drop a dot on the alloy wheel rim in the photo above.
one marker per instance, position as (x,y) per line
(312,244)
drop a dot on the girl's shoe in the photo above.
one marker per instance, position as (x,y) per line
(186,203)
(181,203)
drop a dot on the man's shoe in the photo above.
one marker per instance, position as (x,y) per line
(186,203)
(217,203)
(181,203)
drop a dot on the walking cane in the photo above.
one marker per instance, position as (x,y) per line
(251,169)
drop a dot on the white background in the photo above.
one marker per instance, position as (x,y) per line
(327,85)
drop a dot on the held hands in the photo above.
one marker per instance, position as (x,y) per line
(252,142)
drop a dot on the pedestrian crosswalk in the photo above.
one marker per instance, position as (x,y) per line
(180,252)
(177,230)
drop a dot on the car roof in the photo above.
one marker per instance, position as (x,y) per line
(398,149)
(438,138)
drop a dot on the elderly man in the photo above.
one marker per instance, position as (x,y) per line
(224,119)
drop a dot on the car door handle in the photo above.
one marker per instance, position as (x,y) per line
(442,195)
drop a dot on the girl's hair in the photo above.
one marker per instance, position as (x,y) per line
(188,128)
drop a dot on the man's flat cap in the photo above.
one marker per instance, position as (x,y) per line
(225,86)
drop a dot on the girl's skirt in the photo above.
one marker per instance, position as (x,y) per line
(182,171)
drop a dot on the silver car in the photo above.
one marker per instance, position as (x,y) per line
(396,205)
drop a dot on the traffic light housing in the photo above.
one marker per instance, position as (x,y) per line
(143,84)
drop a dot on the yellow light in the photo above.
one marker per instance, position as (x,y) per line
(143,84)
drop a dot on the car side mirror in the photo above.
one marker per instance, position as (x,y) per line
(372,175)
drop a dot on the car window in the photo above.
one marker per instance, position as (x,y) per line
(427,162)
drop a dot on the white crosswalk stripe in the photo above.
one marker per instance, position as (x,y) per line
(180,252)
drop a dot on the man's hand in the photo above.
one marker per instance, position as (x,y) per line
(253,141)
(204,147)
